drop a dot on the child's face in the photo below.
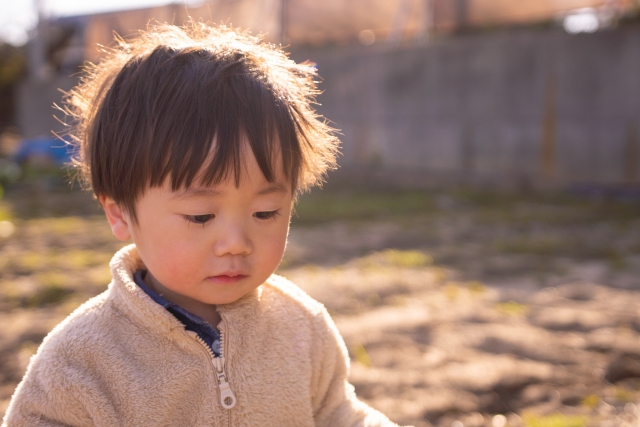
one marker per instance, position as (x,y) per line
(213,244)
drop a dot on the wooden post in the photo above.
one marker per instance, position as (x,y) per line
(398,26)
(284,22)
(462,13)
(548,143)
(428,19)
(631,155)
(37,46)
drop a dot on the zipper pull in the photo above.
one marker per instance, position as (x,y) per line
(227,398)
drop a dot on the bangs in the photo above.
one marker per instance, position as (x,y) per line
(204,133)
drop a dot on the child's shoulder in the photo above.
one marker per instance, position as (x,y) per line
(280,305)
(82,324)
(71,339)
(283,299)
(283,291)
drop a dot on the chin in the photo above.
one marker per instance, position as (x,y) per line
(228,299)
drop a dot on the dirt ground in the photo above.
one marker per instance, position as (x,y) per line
(458,308)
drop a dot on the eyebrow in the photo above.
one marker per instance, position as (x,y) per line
(195,192)
(207,192)
(273,188)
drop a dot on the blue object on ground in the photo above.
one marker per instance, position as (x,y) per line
(57,150)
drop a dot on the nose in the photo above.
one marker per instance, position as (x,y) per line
(232,240)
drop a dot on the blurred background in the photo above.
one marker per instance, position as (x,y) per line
(479,246)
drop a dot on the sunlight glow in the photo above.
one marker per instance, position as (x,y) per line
(582,21)
(18,19)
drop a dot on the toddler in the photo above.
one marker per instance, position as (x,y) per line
(196,142)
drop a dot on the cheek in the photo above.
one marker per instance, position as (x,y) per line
(174,259)
(274,245)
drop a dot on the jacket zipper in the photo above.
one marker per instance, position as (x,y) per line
(227,398)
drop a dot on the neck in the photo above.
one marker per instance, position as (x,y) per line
(206,311)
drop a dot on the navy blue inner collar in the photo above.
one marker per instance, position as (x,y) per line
(191,322)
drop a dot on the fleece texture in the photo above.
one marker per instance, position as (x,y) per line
(122,360)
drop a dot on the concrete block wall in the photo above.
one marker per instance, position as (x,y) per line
(527,107)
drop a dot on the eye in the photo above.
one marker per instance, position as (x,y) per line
(266,215)
(199,219)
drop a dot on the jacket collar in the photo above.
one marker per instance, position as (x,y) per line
(137,305)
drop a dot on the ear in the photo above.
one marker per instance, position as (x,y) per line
(118,218)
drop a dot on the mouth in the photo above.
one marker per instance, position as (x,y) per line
(227,279)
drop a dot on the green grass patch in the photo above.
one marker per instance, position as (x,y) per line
(540,246)
(549,208)
(407,258)
(616,261)
(64,225)
(74,259)
(330,206)
(5,213)
(79,258)
(624,395)
(395,258)
(32,261)
(361,355)
(591,401)
(553,246)
(452,291)
(476,288)
(51,279)
(47,295)
(512,308)
(28,347)
(554,420)
(489,207)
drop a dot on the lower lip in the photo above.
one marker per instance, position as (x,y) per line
(226,280)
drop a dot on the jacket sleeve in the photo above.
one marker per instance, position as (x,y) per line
(52,393)
(334,399)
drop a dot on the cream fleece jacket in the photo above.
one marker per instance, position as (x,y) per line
(122,360)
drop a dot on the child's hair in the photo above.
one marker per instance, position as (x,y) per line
(177,103)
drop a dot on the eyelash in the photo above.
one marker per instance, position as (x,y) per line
(267,215)
(203,219)
(199,219)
